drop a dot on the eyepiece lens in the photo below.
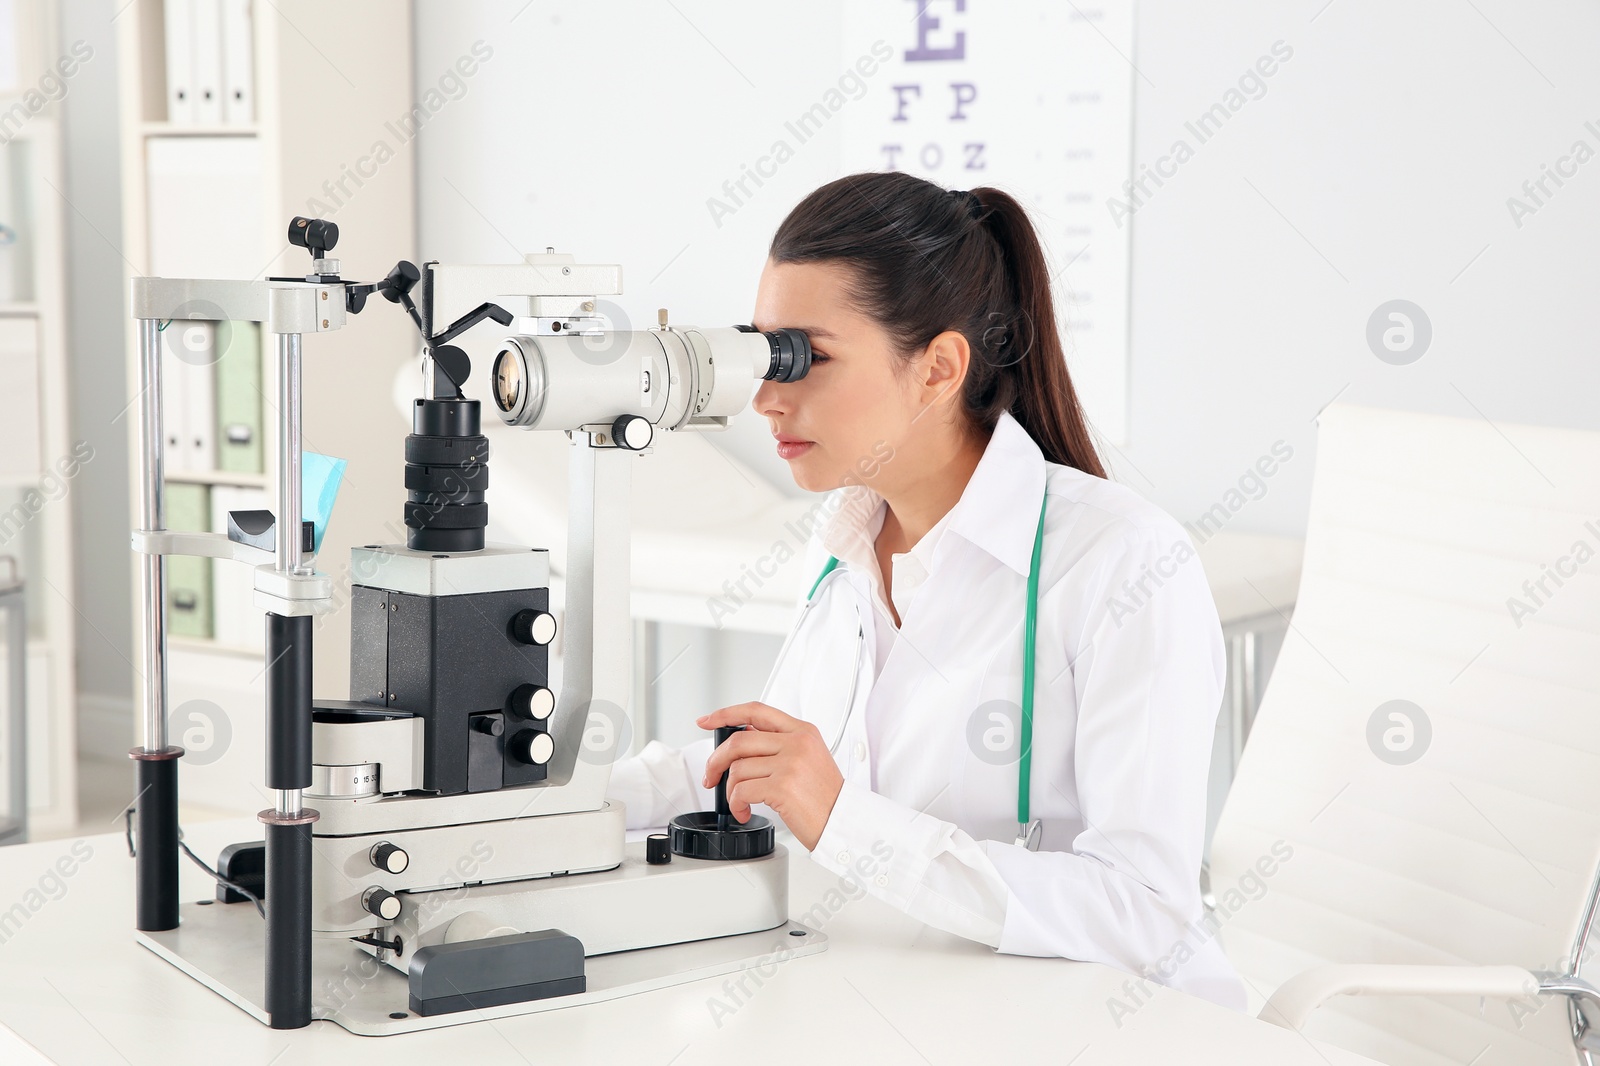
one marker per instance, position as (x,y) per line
(791,354)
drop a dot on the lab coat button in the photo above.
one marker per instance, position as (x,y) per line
(882,879)
(860,750)
(844,858)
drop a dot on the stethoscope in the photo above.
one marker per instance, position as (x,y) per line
(1028,830)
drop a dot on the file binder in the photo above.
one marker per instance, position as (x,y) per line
(188,392)
(207,71)
(238,64)
(179,15)
(238,388)
(188,576)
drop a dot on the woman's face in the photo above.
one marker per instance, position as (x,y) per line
(853,407)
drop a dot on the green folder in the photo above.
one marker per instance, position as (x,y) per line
(188,577)
(238,382)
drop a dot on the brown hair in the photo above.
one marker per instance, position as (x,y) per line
(924,260)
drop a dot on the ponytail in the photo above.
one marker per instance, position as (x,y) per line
(926,260)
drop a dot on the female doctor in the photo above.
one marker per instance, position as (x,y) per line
(970,549)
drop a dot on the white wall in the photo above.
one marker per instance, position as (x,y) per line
(1389,143)
(1375,166)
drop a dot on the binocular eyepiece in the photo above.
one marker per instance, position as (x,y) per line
(791,353)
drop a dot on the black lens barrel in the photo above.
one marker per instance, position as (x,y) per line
(791,353)
(447,473)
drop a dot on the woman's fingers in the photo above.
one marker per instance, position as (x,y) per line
(749,792)
(742,773)
(755,715)
(741,745)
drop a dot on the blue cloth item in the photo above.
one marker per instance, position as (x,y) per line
(320,477)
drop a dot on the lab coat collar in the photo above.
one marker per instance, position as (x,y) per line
(998,510)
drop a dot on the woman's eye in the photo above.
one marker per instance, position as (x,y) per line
(818,357)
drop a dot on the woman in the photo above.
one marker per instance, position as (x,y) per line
(939,399)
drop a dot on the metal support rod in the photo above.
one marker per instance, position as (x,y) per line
(289,408)
(156,805)
(152,516)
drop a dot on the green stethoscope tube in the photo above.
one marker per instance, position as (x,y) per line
(1030,626)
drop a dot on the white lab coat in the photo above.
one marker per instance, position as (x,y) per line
(1127,688)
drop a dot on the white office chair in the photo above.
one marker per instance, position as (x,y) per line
(1440,906)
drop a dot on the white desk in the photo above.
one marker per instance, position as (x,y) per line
(887,990)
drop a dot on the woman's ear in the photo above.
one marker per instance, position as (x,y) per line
(943,366)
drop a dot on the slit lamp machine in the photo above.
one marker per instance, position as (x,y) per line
(439,849)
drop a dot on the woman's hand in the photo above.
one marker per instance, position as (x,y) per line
(780,761)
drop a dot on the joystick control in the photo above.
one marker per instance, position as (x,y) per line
(716,834)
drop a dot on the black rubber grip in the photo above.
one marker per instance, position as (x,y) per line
(156,865)
(288,701)
(288,999)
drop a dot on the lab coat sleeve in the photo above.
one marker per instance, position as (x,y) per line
(925,867)
(1148,684)
(661,782)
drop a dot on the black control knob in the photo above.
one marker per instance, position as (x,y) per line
(389,858)
(658,849)
(532,626)
(315,235)
(381,903)
(532,747)
(716,834)
(632,432)
(534,702)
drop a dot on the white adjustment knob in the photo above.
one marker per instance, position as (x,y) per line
(632,431)
(533,701)
(532,626)
(381,903)
(389,858)
(533,747)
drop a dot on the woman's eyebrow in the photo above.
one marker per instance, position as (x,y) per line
(811,331)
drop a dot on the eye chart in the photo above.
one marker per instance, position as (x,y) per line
(1034,97)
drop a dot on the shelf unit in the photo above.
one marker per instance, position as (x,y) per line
(33,357)
(311,119)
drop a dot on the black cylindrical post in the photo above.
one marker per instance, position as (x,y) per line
(724,812)
(288,702)
(156,815)
(288,832)
(288,904)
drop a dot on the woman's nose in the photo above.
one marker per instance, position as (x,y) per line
(769,399)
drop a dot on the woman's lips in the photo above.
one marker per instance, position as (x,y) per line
(793,449)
